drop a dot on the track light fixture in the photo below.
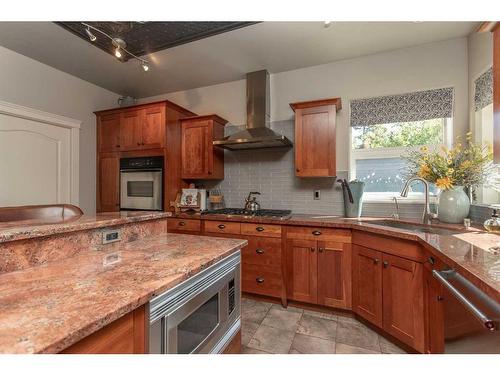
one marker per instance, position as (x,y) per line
(119,44)
(92,37)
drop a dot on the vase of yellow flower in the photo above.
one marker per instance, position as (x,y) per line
(464,166)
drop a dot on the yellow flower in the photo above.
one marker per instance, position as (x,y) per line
(424,171)
(465,164)
(444,183)
(444,149)
(424,149)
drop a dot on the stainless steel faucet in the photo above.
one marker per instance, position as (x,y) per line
(427,216)
(395,215)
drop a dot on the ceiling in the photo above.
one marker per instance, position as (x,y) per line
(148,37)
(276,46)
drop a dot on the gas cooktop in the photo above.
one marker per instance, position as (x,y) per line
(273,214)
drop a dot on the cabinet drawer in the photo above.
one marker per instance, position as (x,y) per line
(188,225)
(264,230)
(319,234)
(391,245)
(222,227)
(262,251)
(265,280)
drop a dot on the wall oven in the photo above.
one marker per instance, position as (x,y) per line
(200,315)
(141,183)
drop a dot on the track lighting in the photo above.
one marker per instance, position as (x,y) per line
(92,37)
(119,44)
(327,24)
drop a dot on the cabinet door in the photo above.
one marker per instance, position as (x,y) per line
(367,284)
(152,129)
(315,141)
(302,270)
(334,274)
(403,300)
(197,149)
(109,132)
(130,130)
(109,184)
(434,310)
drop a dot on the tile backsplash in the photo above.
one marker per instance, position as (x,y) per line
(272,173)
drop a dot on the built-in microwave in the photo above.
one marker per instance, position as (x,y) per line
(200,315)
(141,183)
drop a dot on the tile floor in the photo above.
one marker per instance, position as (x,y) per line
(268,328)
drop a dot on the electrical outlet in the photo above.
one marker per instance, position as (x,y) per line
(317,195)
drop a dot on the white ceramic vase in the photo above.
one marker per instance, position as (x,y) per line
(454,205)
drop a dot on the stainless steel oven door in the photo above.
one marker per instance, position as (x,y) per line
(141,190)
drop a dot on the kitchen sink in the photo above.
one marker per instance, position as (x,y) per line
(421,228)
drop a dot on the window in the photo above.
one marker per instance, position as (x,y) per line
(383,129)
(376,155)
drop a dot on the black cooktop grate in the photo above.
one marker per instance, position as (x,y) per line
(281,214)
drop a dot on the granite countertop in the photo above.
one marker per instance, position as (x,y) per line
(467,251)
(47,308)
(20,230)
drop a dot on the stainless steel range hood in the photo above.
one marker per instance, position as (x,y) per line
(257,133)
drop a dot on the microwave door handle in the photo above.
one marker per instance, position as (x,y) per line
(443,276)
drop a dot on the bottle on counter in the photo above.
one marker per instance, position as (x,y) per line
(493,223)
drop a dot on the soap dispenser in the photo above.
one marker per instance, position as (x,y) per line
(493,223)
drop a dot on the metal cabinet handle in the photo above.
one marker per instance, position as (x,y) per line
(431,260)
(260,280)
(316,233)
(182,223)
(259,229)
(118,146)
(443,277)
(312,249)
(259,251)
(221,226)
(386,264)
(321,249)
(376,261)
(138,143)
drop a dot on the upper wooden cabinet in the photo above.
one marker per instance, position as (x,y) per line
(315,137)
(135,128)
(200,159)
(108,130)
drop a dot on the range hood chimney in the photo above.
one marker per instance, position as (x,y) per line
(257,133)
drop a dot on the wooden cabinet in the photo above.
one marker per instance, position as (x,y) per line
(142,128)
(130,130)
(127,335)
(388,292)
(108,183)
(319,266)
(189,226)
(108,132)
(200,159)
(315,137)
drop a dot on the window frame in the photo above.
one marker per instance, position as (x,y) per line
(391,152)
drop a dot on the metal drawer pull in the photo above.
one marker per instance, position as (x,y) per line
(376,261)
(221,226)
(316,233)
(259,229)
(259,251)
(312,249)
(321,249)
(443,277)
(386,264)
(182,223)
(260,280)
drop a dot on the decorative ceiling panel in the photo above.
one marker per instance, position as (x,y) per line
(147,37)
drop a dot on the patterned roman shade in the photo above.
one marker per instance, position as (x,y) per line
(483,90)
(415,106)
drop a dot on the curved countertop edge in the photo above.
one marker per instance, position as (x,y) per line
(428,241)
(26,229)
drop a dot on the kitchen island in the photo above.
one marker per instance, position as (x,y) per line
(62,283)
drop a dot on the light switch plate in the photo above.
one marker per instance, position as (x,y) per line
(317,195)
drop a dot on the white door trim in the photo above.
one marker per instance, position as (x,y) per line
(36,115)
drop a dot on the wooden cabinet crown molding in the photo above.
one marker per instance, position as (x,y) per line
(337,102)
(212,117)
(167,103)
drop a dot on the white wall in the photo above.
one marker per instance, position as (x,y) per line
(418,68)
(27,82)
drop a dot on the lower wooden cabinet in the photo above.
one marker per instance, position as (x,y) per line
(108,184)
(319,272)
(127,335)
(388,291)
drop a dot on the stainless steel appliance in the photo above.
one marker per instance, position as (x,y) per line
(471,318)
(251,203)
(141,183)
(272,214)
(200,315)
